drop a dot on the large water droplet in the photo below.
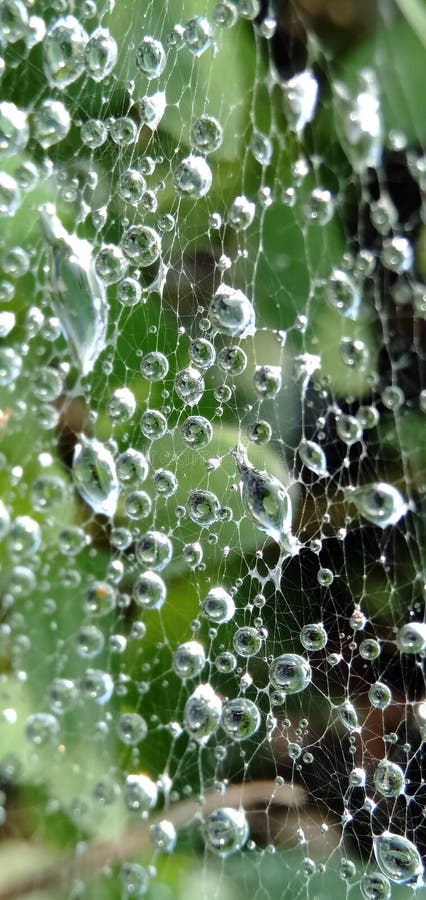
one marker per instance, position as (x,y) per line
(265,498)
(380,503)
(150,57)
(411,638)
(189,659)
(290,673)
(398,858)
(389,779)
(218,606)
(193,177)
(300,98)
(78,295)
(203,507)
(206,134)
(100,54)
(226,831)
(95,476)
(240,718)
(202,712)
(375,886)
(64,51)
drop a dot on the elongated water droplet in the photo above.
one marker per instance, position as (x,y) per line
(78,295)
(398,858)
(380,503)
(95,476)
(265,498)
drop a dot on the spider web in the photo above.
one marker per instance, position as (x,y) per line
(212,469)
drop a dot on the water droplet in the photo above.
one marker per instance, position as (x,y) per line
(411,638)
(132,467)
(232,360)
(96,685)
(240,718)
(354,354)
(63,696)
(357,777)
(380,503)
(202,712)
(206,134)
(348,429)
(226,831)
(89,641)
(99,599)
(300,99)
(24,537)
(225,13)
(389,779)
(193,554)
(313,457)
(202,353)
(149,591)
(10,365)
(265,498)
(232,313)
(247,641)
(131,186)
(225,662)
(241,213)
(64,51)
(123,131)
(153,424)
(42,729)
(154,549)
(342,294)
(198,35)
(131,729)
(380,695)
(163,836)
(397,254)
(369,649)
(13,21)
(398,858)
(137,505)
(290,673)
(313,637)
(165,482)
(141,245)
(14,131)
(261,148)
(152,109)
(141,793)
(10,195)
(93,133)
(259,432)
(151,57)
(95,476)
(189,659)
(218,606)
(267,381)
(100,54)
(189,385)
(193,177)
(348,716)
(78,296)
(203,507)
(134,879)
(375,886)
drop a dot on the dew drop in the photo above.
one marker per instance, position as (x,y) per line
(226,831)
(265,498)
(95,476)
(398,858)
(290,673)
(193,177)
